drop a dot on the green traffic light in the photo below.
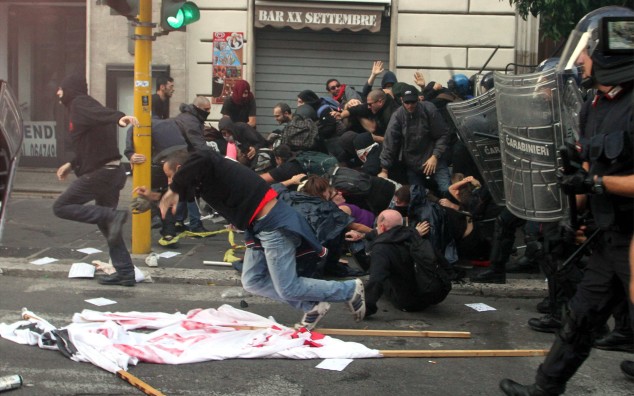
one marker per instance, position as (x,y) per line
(187,14)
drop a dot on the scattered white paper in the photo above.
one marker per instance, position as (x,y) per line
(44,260)
(81,270)
(89,250)
(481,307)
(100,301)
(334,364)
(168,254)
(139,276)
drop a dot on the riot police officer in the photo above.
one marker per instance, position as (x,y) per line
(607,182)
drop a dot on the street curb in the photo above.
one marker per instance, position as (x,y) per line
(514,288)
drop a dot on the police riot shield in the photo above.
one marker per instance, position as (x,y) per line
(477,124)
(531,131)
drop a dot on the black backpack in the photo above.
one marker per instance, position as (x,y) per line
(369,192)
(300,134)
(316,162)
(432,277)
(350,182)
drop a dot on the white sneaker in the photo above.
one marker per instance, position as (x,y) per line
(310,318)
(356,304)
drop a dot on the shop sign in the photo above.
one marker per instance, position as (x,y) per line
(39,139)
(317,18)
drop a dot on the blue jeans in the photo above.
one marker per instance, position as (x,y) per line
(102,186)
(442,179)
(271,271)
(187,207)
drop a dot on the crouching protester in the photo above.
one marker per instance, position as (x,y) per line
(403,265)
(275,234)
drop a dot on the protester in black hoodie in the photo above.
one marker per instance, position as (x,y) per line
(100,176)
(391,265)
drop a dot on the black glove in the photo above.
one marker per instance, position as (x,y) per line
(579,182)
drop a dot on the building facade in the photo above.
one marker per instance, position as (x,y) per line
(286,46)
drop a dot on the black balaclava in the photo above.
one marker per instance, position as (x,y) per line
(73,86)
(202,114)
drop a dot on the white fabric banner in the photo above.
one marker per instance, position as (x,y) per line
(106,340)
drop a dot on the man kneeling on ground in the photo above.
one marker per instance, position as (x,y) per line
(392,264)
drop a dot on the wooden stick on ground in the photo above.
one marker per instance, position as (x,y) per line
(378,333)
(137,383)
(463,353)
(395,333)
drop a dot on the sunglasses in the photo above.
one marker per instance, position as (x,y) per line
(333,87)
(410,101)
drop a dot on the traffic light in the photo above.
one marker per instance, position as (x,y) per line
(176,14)
(127,8)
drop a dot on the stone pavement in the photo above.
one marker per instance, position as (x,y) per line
(32,232)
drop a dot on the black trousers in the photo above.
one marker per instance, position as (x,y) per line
(102,186)
(604,285)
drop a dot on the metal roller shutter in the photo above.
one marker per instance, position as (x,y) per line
(288,61)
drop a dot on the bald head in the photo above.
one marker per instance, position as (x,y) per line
(388,219)
(202,103)
(376,95)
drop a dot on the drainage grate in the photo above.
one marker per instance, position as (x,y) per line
(62,253)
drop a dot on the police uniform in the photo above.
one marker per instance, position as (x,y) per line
(607,143)
(606,140)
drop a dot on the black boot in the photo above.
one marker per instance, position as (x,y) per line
(512,388)
(489,276)
(627,367)
(545,324)
(115,279)
(616,341)
(543,307)
(523,266)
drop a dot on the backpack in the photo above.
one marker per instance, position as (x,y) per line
(316,162)
(300,134)
(431,276)
(350,182)
(362,189)
(327,105)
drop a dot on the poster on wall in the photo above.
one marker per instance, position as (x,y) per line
(226,63)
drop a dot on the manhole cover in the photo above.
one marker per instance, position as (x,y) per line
(63,253)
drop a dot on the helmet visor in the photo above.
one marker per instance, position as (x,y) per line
(577,42)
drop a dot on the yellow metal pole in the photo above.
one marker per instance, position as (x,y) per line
(141,231)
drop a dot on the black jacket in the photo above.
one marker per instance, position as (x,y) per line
(232,189)
(327,220)
(414,137)
(192,127)
(392,271)
(93,134)
(166,137)
(607,139)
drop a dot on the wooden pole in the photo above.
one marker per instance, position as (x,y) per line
(463,353)
(395,333)
(377,333)
(137,383)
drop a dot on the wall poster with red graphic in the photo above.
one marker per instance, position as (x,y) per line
(226,63)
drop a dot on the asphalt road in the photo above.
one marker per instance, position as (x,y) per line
(50,373)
